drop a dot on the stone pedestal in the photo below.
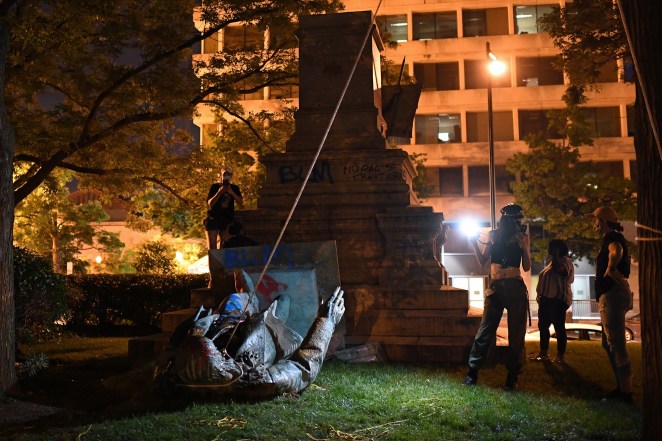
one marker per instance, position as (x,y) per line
(359,194)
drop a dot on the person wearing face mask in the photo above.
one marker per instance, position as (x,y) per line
(612,291)
(507,249)
(221,200)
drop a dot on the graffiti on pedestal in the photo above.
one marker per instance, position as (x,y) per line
(297,173)
(373,172)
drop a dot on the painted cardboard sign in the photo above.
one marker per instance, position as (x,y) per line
(302,272)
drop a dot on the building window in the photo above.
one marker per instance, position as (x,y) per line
(629,114)
(280,38)
(247,96)
(450,181)
(532,122)
(210,44)
(526,18)
(243,38)
(538,71)
(393,27)
(481,22)
(603,122)
(440,128)
(477,126)
(608,73)
(613,169)
(435,25)
(475,75)
(438,76)
(284,91)
(479,180)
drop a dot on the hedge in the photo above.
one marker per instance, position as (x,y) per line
(106,300)
(40,297)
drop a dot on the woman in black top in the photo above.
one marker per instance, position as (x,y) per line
(220,200)
(507,249)
(612,291)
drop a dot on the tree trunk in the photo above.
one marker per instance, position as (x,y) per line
(55,251)
(643,18)
(7,335)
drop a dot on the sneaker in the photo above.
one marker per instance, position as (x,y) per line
(512,381)
(541,357)
(559,359)
(471,379)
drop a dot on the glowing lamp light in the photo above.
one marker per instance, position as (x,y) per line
(469,227)
(179,256)
(495,66)
(98,259)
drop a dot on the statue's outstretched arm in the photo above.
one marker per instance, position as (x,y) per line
(301,369)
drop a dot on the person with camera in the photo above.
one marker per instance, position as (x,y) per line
(220,200)
(614,296)
(507,249)
(554,298)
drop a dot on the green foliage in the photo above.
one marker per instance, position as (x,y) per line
(40,297)
(56,227)
(35,362)
(420,185)
(105,300)
(556,190)
(155,257)
(589,34)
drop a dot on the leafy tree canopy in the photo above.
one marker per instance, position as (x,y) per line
(589,34)
(49,223)
(93,86)
(556,190)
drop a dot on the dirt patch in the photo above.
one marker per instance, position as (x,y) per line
(79,393)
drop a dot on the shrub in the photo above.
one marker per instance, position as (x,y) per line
(40,297)
(155,257)
(107,300)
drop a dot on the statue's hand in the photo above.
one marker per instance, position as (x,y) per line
(335,306)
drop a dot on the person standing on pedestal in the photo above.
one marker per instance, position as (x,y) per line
(220,200)
(506,249)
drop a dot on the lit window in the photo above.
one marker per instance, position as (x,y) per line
(393,27)
(439,128)
(526,18)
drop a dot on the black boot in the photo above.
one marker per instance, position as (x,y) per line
(512,381)
(472,378)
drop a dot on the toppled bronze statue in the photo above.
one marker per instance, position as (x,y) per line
(262,358)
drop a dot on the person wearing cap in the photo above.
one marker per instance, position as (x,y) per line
(220,200)
(507,249)
(612,291)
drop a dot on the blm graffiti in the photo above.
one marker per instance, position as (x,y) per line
(373,172)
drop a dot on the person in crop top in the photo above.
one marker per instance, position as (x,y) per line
(506,250)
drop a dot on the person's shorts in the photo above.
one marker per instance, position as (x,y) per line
(212,224)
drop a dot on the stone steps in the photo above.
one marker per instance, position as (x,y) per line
(150,346)
(426,324)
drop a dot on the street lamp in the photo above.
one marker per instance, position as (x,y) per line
(495,68)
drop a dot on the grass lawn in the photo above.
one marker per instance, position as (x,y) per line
(346,402)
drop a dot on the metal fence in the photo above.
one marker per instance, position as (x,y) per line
(585,309)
